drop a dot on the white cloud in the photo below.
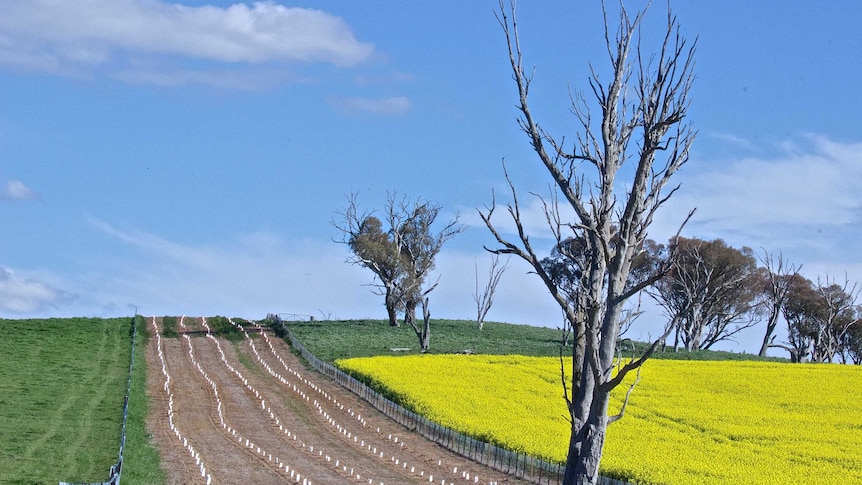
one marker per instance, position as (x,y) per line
(733,140)
(16,190)
(393,106)
(27,295)
(810,187)
(814,184)
(74,37)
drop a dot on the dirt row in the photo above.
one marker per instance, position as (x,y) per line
(249,412)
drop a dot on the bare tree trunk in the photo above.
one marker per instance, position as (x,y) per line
(410,313)
(424,333)
(767,337)
(425,338)
(584,470)
(613,227)
(587,439)
(391,307)
(393,316)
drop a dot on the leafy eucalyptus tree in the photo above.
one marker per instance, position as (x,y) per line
(401,255)
(839,313)
(642,109)
(374,248)
(823,320)
(801,309)
(712,293)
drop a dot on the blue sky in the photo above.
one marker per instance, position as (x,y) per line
(188,158)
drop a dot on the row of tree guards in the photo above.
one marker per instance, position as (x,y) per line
(602,256)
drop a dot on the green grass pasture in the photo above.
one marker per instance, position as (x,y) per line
(62,384)
(331,340)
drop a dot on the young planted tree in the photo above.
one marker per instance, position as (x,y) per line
(642,107)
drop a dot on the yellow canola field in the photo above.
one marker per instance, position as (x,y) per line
(688,422)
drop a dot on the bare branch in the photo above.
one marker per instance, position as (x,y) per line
(618,416)
(485,299)
(636,363)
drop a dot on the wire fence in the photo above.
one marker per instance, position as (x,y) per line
(523,466)
(117,468)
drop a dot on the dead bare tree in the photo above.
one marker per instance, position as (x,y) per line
(419,246)
(779,276)
(839,315)
(648,130)
(485,298)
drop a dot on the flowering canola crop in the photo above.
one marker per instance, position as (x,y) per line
(687,422)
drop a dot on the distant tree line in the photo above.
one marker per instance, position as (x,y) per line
(709,291)
(714,291)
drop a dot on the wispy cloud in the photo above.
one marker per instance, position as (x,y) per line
(393,106)
(389,77)
(245,79)
(253,274)
(243,275)
(26,295)
(804,200)
(16,190)
(813,182)
(77,37)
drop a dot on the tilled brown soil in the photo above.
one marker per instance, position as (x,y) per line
(249,413)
